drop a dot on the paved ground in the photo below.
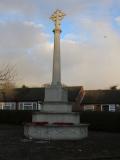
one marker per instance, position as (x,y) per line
(98,146)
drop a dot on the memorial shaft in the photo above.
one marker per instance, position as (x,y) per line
(56,75)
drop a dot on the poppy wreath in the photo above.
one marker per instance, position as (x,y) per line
(40,123)
(62,123)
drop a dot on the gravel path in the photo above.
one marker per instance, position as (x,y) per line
(98,146)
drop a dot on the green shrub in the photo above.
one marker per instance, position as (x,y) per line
(102,121)
(15,117)
(98,121)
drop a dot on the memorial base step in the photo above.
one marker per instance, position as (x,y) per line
(56,132)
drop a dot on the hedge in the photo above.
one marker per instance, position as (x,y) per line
(98,121)
(101,121)
(15,117)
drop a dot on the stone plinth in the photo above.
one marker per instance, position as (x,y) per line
(56,132)
(55,94)
(53,117)
(56,122)
(56,107)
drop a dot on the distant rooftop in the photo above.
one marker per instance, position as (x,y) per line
(91,96)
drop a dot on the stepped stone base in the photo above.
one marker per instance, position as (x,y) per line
(56,132)
(56,107)
(56,121)
(71,117)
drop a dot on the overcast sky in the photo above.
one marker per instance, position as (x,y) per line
(90,41)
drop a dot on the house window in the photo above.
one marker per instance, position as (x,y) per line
(39,106)
(21,106)
(89,108)
(1,105)
(117,107)
(105,108)
(112,108)
(27,105)
(9,106)
(34,106)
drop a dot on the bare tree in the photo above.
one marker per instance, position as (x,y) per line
(45,85)
(7,74)
(7,80)
(113,87)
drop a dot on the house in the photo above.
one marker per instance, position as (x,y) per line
(101,100)
(30,98)
(23,99)
(92,100)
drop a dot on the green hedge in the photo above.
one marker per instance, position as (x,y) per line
(99,121)
(15,117)
(102,121)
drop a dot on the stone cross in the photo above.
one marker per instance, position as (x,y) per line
(57,17)
(56,77)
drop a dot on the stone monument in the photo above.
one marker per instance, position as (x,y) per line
(56,121)
(55,92)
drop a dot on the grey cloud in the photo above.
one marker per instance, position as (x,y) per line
(26,46)
(45,8)
(117,19)
(16,35)
(94,63)
(17,6)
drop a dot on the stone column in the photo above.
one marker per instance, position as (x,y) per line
(55,93)
(56,76)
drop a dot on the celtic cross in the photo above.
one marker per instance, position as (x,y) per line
(57,16)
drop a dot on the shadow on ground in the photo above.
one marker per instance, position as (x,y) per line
(98,146)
